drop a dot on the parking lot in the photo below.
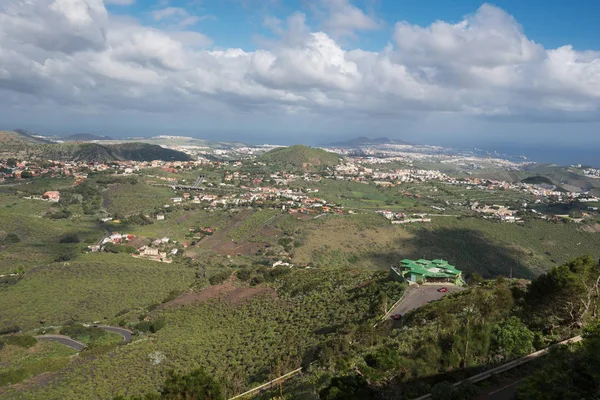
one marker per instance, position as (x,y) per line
(419,295)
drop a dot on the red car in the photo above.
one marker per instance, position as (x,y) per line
(396,317)
(442,290)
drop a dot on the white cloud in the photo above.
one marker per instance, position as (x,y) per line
(72,53)
(344,19)
(120,2)
(178,14)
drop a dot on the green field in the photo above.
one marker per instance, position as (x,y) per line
(93,287)
(472,244)
(127,199)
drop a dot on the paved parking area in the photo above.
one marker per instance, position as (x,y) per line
(418,295)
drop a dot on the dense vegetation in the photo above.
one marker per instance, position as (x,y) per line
(467,331)
(313,307)
(569,373)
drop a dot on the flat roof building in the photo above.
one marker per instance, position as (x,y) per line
(426,271)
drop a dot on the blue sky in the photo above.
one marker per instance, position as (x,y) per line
(234,23)
(462,72)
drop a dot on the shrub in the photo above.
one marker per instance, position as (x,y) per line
(12,377)
(143,326)
(157,325)
(219,278)
(25,341)
(70,238)
(9,329)
(12,238)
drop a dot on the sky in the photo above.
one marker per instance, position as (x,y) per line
(513,73)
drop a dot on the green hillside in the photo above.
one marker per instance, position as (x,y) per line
(537,180)
(299,157)
(113,152)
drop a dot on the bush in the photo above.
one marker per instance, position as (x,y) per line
(9,329)
(12,238)
(24,341)
(70,238)
(60,214)
(12,377)
(150,326)
(219,278)
(143,326)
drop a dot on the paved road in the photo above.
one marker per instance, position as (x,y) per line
(67,341)
(504,391)
(125,333)
(418,295)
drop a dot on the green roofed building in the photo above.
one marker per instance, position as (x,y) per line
(425,271)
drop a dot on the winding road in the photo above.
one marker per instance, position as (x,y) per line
(126,334)
(67,341)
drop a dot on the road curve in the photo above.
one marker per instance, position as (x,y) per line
(418,295)
(125,333)
(67,341)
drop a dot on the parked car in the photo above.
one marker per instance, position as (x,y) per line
(396,317)
(443,289)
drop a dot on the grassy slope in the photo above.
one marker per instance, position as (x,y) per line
(232,342)
(127,199)
(297,156)
(473,245)
(88,289)
(18,363)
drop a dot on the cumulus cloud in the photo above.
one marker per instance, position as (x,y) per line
(73,53)
(344,19)
(178,14)
(120,2)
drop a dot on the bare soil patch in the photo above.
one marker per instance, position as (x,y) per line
(595,228)
(225,291)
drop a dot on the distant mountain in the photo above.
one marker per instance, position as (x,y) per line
(14,143)
(365,141)
(299,157)
(113,152)
(84,137)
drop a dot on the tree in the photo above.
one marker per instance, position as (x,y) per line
(512,339)
(197,385)
(70,238)
(569,372)
(349,387)
(565,295)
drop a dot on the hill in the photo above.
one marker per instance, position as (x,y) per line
(300,157)
(365,141)
(14,143)
(113,152)
(84,137)
(537,180)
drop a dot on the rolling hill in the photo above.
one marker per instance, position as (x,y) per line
(113,152)
(299,157)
